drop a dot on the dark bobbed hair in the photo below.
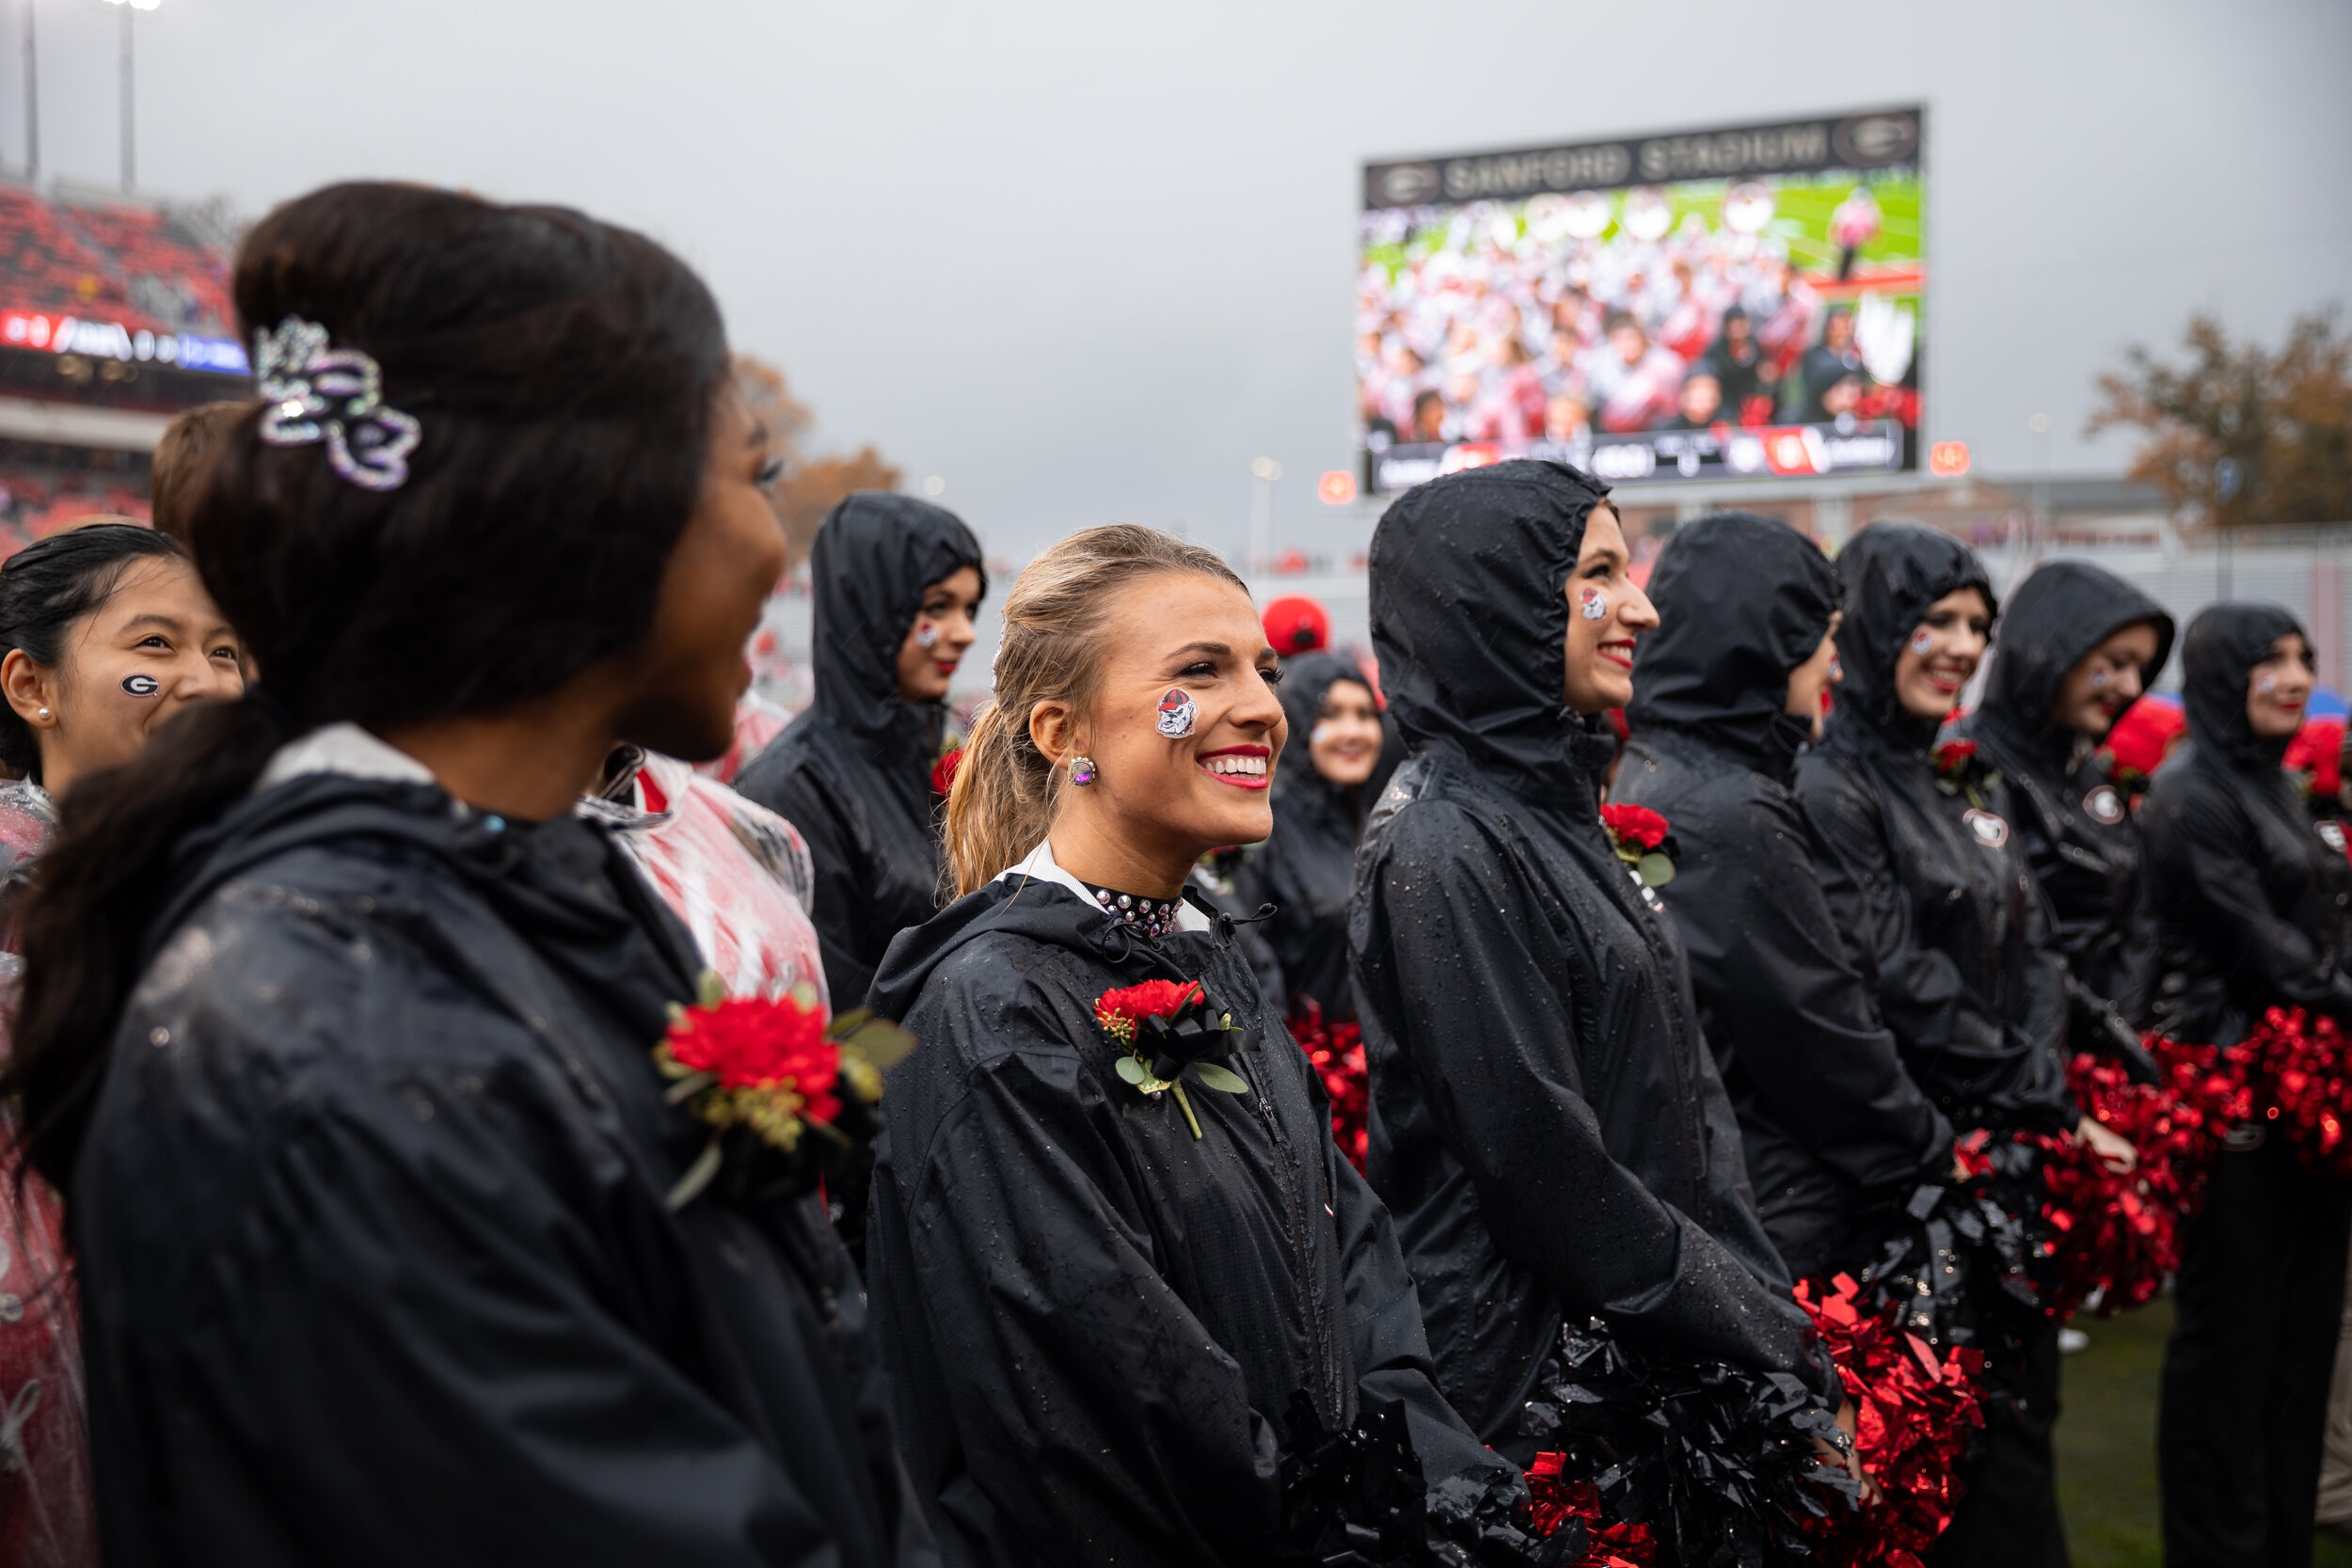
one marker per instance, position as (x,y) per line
(46,590)
(563,371)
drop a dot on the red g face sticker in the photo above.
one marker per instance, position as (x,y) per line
(1177,714)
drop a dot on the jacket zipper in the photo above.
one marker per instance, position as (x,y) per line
(1318,1356)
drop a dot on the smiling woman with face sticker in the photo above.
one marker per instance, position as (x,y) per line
(2076,648)
(2253,910)
(1123,1278)
(107,632)
(1926,880)
(1550,1126)
(339,1025)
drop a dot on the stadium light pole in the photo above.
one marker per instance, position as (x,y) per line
(32,102)
(129,140)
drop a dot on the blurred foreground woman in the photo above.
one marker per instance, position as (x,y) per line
(2077,647)
(1726,695)
(1549,1126)
(339,1024)
(2250,903)
(1125,1282)
(107,633)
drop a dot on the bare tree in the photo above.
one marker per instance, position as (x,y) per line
(810,485)
(2282,421)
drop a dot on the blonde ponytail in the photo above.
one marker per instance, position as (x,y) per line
(1006,789)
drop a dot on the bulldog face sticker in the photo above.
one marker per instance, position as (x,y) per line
(1921,641)
(2331,834)
(1594,605)
(1991,831)
(141,686)
(2104,806)
(1178,714)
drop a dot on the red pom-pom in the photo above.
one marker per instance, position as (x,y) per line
(2300,1074)
(1559,1503)
(751,1044)
(2115,1236)
(1636,825)
(1337,1051)
(1914,1413)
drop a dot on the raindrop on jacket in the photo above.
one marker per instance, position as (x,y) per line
(1548,1125)
(1830,1122)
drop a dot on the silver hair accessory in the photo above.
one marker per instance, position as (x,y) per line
(336,395)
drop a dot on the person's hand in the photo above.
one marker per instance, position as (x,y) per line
(2114,1151)
(1850,1455)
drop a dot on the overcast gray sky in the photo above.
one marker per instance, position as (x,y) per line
(1085,260)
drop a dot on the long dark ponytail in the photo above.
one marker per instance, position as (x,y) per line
(563,371)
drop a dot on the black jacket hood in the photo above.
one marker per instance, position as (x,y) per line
(1491,549)
(2224,643)
(874,556)
(2054,620)
(1893,572)
(1741,601)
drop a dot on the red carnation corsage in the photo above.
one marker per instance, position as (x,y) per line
(1639,836)
(1166,1027)
(1960,771)
(780,1070)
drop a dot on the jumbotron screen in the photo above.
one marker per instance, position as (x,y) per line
(1732,303)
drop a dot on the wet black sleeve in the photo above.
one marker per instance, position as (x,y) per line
(1765,952)
(2204,848)
(1094,1411)
(413,1355)
(841,861)
(1488,1029)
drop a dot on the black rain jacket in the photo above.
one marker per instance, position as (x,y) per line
(853,772)
(1945,917)
(1547,1125)
(1308,867)
(376,1260)
(2250,901)
(1094,1324)
(1830,1121)
(2070,819)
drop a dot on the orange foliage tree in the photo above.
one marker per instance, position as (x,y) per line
(2283,418)
(811,486)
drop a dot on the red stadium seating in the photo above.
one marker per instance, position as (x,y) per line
(127,263)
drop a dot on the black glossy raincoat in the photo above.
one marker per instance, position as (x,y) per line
(2070,819)
(377,1262)
(853,772)
(2250,901)
(1933,890)
(1548,1125)
(1831,1123)
(1095,1324)
(1307,869)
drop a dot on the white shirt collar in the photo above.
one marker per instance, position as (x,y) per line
(343,747)
(1042,867)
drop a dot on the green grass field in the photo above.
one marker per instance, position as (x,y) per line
(2107,1446)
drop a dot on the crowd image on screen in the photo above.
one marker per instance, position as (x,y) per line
(1541,325)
